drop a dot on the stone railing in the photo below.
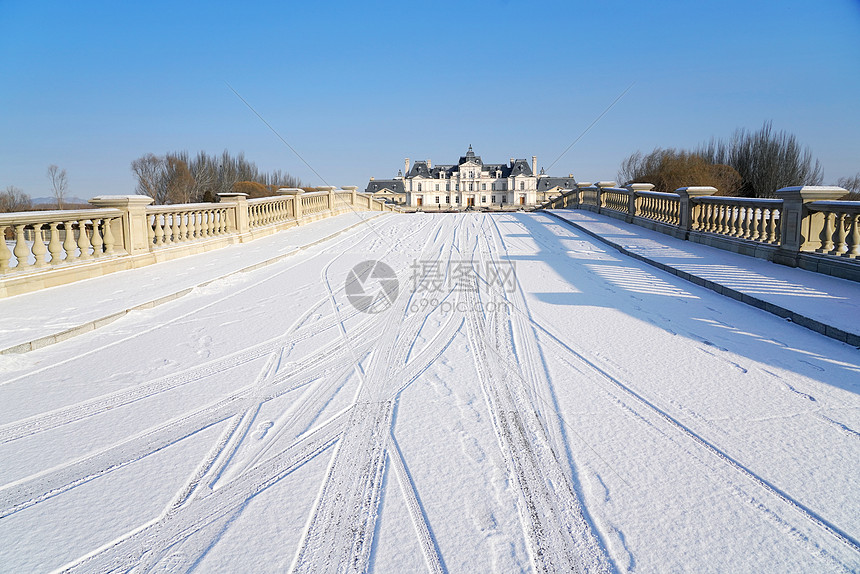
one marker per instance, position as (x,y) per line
(267,210)
(803,227)
(47,248)
(42,239)
(839,227)
(738,217)
(658,206)
(174,224)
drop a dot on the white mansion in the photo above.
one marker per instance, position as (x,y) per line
(470,183)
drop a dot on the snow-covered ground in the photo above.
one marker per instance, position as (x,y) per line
(527,400)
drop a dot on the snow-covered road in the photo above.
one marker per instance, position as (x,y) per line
(518,398)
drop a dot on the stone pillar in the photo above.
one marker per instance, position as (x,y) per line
(133,225)
(631,199)
(330,189)
(601,185)
(797,226)
(238,202)
(297,200)
(686,210)
(352,189)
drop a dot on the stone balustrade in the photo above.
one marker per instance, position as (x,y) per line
(268,210)
(174,224)
(43,239)
(804,227)
(840,229)
(315,202)
(47,248)
(739,217)
(658,206)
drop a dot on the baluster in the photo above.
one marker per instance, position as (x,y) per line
(158,231)
(84,241)
(54,246)
(735,220)
(70,246)
(211,220)
(839,235)
(751,223)
(742,226)
(724,221)
(771,226)
(21,250)
(183,226)
(5,254)
(826,235)
(177,237)
(39,250)
(150,231)
(853,239)
(761,225)
(110,240)
(97,238)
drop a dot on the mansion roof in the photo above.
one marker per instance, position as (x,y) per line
(423,169)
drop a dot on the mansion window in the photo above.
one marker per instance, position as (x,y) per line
(484,187)
(494,199)
(483,199)
(457,199)
(447,187)
(437,187)
(494,186)
(456,187)
(471,185)
(419,187)
(447,199)
(437,199)
(522,185)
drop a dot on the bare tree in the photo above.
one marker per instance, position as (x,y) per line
(669,169)
(149,170)
(178,178)
(59,184)
(852,184)
(767,160)
(14,199)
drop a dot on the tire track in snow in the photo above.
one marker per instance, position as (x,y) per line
(339,534)
(295,333)
(174,526)
(416,512)
(559,537)
(671,425)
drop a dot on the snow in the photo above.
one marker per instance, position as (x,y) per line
(594,415)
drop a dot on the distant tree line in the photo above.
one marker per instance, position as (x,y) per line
(749,164)
(176,177)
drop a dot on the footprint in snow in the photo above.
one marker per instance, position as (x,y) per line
(262,429)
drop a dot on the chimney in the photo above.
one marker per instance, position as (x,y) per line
(534,165)
(512,162)
(406,171)
(429,164)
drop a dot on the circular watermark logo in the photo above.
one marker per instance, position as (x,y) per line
(371,286)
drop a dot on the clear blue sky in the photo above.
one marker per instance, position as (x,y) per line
(357,86)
